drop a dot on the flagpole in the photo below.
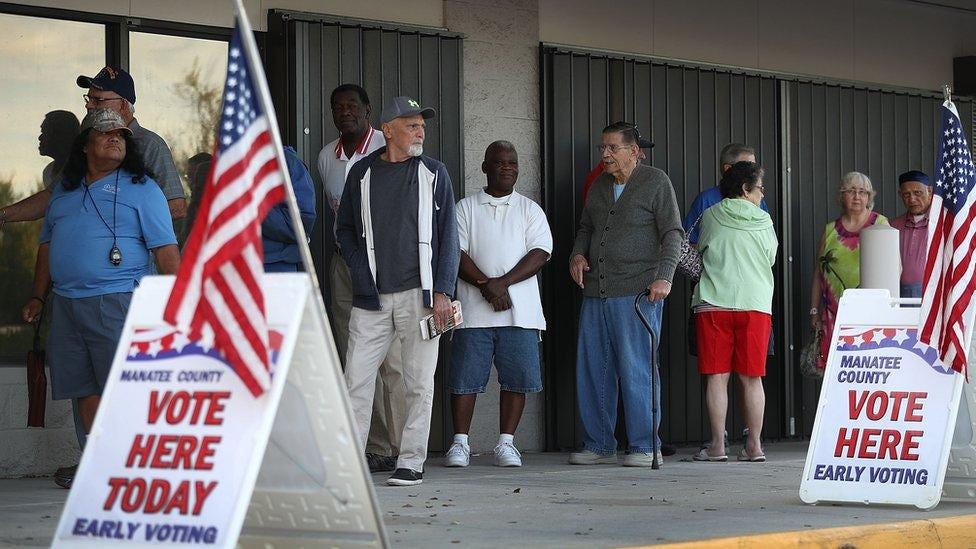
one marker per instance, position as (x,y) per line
(264,96)
(968,333)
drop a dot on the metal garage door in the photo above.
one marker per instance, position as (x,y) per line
(690,113)
(309,55)
(834,129)
(807,134)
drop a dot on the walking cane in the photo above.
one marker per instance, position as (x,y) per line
(652,337)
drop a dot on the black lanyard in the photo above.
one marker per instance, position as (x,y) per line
(115,254)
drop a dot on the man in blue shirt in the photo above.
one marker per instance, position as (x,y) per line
(281,253)
(731,153)
(104,217)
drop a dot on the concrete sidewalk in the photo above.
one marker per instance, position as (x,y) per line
(548,503)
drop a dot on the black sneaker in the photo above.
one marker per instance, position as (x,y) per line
(668,449)
(64,476)
(405,477)
(380,464)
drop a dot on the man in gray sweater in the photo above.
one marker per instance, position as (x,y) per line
(629,240)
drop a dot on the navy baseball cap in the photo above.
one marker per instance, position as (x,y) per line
(914,175)
(110,79)
(404,106)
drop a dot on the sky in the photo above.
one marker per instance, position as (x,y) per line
(42,58)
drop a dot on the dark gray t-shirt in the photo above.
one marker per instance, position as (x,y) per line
(393,207)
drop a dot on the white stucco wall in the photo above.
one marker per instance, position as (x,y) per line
(894,42)
(33,451)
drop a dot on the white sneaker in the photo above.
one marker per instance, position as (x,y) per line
(507,455)
(642,459)
(587,457)
(459,455)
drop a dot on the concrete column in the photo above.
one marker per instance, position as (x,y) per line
(33,451)
(501,101)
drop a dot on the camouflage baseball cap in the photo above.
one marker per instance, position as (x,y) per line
(103,120)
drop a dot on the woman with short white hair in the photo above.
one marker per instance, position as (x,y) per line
(839,254)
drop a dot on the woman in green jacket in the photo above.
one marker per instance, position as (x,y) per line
(733,305)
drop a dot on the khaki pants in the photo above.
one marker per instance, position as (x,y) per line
(370,336)
(389,402)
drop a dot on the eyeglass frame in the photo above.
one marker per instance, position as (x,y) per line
(98,100)
(613,147)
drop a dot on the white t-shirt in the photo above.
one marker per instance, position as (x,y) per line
(496,233)
(334,166)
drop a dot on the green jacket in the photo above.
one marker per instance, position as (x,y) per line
(738,247)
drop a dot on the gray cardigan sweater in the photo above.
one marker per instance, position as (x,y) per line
(633,241)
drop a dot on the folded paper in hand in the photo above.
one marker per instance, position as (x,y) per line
(428,329)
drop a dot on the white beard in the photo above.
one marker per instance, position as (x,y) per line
(415,150)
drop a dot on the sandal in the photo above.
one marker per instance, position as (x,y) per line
(744,456)
(703,455)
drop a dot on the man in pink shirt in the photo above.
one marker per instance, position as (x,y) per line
(913,230)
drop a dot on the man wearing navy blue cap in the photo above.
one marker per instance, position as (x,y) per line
(112,88)
(913,229)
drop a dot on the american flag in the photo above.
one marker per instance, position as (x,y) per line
(217,293)
(947,301)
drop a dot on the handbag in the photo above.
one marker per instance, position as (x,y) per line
(810,357)
(689,259)
(36,380)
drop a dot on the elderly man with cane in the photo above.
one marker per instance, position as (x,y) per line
(628,243)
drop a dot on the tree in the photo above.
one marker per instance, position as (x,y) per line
(203,103)
(18,248)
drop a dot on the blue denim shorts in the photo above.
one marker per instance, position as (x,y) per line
(516,356)
(81,344)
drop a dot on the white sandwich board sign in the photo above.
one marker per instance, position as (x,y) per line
(960,481)
(181,452)
(887,410)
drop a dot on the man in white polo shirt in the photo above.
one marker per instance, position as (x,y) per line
(505,240)
(350,113)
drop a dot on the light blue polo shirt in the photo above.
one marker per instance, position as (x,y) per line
(80,241)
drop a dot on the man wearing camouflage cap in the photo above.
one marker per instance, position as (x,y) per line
(104,217)
(398,234)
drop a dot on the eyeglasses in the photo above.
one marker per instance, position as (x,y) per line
(612,148)
(856,192)
(917,194)
(98,100)
(762,188)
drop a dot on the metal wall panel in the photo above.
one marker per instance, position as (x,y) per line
(690,114)
(834,130)
(308,56)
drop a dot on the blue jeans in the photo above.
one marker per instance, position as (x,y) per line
(614,346)
(513,350)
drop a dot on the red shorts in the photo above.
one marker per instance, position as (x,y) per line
(733,341)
